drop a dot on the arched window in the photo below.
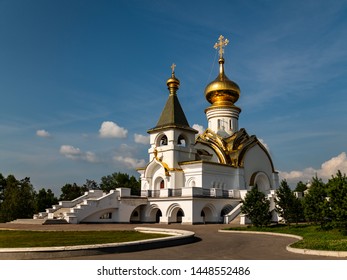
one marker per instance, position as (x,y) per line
(181,141)
(162,184)
(163,141)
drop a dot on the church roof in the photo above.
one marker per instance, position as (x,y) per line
(172,114)
(232,150)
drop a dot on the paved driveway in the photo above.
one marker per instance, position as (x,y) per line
(210,244)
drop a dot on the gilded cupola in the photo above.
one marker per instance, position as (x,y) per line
(222,91)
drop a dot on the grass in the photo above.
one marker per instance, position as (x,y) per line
(21,238)
(314,237)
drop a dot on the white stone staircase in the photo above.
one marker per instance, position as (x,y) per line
(234,213)
(92,206)
(58,212)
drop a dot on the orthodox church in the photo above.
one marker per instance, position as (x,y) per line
(189,178)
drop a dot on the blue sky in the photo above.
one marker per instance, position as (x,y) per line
(82,81)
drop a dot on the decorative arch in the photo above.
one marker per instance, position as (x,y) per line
(161,140)
(216,143)
(226,209)
(191,182)
(209,213)
(261,180)
(135,216)
(153,213)
(172,208)
(154,166)
(182,140)
(174,213)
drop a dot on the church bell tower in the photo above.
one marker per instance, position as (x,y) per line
(172,139)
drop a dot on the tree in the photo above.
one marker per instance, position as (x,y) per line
(257,207)
(45,199)
(70,192)
(300,187)
(288,205)
(18,199)
(91,185)
(316,205)
(2,188)
(120,180)
(337,192)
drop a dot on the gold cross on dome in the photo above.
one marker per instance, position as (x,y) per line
(173,66)
(221,45)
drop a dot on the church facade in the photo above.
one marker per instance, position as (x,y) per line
(189,178)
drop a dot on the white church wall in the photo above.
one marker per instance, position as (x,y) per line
(209,175)
(169,208)
(256,160)
(210,210)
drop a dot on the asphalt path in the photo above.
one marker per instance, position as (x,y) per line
(209,244)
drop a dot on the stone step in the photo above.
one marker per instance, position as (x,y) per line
(236,221)
(28,221)
(55,222)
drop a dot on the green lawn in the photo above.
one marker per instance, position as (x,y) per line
(314,237)
(20,238)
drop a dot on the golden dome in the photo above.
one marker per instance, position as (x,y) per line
(173,83)
(222,91)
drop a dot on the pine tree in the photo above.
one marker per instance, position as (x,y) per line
(337,191)
(288,205)
(257,208)
(316,204)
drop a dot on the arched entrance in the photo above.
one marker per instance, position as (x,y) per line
(208,214)
(135,216)
(175,213)
(261,180)
(158,214)
(180,214)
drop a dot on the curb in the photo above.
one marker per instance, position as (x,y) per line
(337,254)
(176,237)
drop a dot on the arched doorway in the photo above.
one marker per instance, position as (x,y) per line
(261,180)
(208,214)
(158,214)
(202,214)
(175,213)
(135,216)
(180,214)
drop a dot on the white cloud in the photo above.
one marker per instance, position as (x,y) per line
(331,166)
(43,133)
(76,154)
(90,157)
(112,130)
(70,151)
(199,128)
(130,162)
(142,139)
(328,168)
